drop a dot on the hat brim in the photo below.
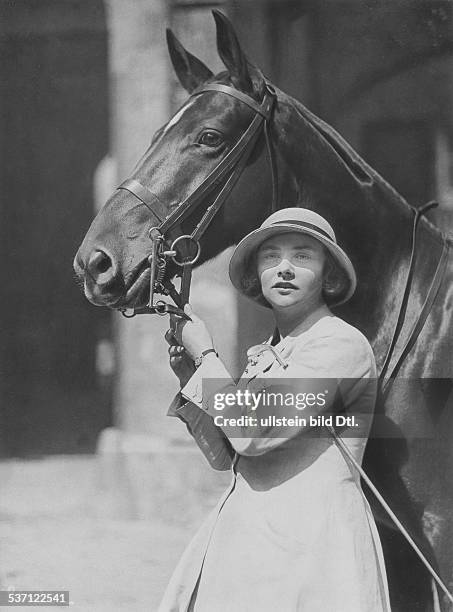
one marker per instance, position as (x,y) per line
(240,259)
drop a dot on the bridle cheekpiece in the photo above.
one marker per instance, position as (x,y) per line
(229,169)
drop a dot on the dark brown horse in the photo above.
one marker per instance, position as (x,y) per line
(317,169)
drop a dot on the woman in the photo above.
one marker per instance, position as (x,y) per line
(294,531)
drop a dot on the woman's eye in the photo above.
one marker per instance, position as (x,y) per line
(301,256)
(210,138)
(269,257)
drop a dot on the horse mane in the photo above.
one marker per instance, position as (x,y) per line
(354,163)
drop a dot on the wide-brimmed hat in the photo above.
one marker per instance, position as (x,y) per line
(292,220)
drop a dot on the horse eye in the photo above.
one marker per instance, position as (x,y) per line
(210,138)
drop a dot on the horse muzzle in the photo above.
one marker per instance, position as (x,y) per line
(102,282)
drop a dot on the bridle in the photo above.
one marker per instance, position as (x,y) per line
(229,169)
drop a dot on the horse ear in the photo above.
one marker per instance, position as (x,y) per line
(190,71)
(244,75)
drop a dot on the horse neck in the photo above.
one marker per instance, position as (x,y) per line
(373,223)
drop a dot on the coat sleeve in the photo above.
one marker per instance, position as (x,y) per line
(322,364)
(210,439)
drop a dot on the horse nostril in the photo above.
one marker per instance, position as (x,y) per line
(104,264)
(100,267)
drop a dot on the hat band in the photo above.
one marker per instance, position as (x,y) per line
(307,225)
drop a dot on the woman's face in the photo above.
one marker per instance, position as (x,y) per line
(290,267)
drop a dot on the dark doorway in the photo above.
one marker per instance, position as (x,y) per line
(54,132)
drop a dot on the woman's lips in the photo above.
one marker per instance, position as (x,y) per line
(284,288)
(283,285)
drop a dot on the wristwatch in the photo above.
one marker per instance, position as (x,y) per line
(199,360)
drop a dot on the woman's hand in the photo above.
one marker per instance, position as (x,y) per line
(180,362)
(193,334)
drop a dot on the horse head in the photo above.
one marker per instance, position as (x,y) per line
(113,258)
(316,169)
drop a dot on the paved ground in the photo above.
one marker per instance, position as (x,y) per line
(106,566)
(52,537)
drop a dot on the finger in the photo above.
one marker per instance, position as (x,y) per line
(176,349)
(188,312)
(171,338)
(178,331)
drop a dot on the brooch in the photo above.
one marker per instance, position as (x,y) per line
(256,352)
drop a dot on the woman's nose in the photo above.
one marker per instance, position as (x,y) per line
(285,269)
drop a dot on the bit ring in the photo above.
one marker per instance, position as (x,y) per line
(186,262)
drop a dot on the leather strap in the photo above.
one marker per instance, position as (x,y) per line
(420,322)
(218,173)
(226,189)
(348,456)
(273,167)
(263,109)
(145,195)
(186,280)
(407,289)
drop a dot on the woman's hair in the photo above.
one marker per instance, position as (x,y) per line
(250,283)
(335,282)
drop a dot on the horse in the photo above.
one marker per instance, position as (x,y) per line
(316,169)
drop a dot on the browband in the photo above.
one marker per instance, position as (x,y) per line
(262,109)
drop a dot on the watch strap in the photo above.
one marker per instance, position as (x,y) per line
(199,360)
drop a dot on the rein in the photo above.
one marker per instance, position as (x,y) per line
(229,168)
(386,381)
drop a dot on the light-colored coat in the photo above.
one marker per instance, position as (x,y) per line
(294,531)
